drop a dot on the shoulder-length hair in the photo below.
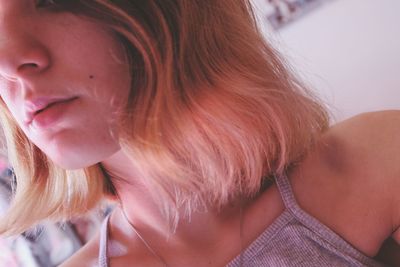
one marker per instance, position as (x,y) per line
(212,111)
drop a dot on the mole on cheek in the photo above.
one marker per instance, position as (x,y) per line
(91,77)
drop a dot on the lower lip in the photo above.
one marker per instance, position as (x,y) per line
(51,115)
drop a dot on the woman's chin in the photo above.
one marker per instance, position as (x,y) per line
(70,166)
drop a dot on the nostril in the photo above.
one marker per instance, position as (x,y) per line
(28,67)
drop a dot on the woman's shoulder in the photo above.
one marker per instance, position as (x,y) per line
(367,143)
(373,132)
(350,180)
(374,137)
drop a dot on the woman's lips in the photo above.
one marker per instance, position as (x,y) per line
(52,113)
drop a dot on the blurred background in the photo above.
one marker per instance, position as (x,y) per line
(345,50)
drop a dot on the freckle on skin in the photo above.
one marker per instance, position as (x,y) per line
(91,77)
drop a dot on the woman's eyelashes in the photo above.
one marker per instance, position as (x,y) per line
(53,5)
(44,3)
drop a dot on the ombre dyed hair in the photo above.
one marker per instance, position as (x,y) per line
(213,110)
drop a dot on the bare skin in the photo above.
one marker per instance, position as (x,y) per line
(348,182)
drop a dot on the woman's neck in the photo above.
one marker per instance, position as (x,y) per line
(207,231)
(142,210)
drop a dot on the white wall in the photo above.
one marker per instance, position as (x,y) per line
(349,50)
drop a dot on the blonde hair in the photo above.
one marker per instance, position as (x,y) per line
(212,111)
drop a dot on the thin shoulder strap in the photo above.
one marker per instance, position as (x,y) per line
(285,189)
(103,258)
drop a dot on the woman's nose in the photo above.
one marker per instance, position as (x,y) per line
(22,57)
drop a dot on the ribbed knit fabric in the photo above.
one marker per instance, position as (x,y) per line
(295,238)
(103,258)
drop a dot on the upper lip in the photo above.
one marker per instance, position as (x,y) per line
(33,106)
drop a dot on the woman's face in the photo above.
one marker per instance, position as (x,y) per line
(63,79)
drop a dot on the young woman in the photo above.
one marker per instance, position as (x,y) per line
(181,113)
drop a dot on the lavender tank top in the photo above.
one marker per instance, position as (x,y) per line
(295,238)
